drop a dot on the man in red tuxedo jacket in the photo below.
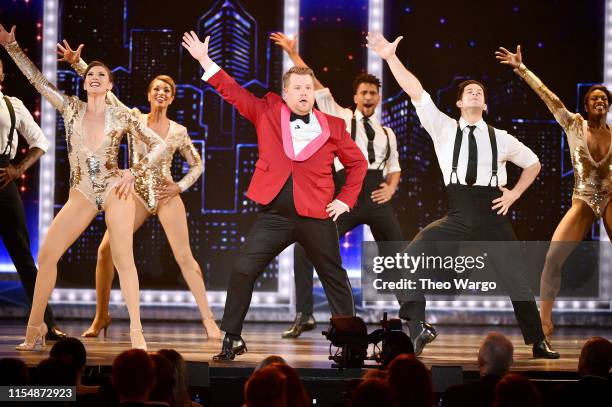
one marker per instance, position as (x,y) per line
(293,183)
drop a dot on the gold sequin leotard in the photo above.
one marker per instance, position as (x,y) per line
(155,176)
(592,180)
(93,171)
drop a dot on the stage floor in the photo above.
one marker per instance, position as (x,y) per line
(456,346)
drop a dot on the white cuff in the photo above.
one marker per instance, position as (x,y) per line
(213,69)
(348,208)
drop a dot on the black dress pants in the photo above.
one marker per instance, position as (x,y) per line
(471,218)
(277,227)
(14,234)
(379,217)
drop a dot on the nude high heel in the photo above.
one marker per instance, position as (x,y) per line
(33,333)
(93,332)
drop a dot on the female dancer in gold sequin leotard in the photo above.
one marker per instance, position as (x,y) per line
(157,193)
(591,153)
(93,134)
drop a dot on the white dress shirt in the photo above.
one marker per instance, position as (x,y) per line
(327,104)
(443,129)
(24,125)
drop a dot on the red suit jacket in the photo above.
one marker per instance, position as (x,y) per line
(313,185)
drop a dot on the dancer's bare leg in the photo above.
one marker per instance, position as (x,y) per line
(105,272)
(65,228)
(173,218)
(572,228)
(120,227)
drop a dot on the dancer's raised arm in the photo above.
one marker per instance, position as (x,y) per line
(386,50)
(31,72)
(289,45)
(554,104)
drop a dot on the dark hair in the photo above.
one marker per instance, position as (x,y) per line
(93,64)
(410,381)
(365,78)
(164,78)
(266,387)
(595,357)
(593,89)
(371,392)
(295,390)
(71,350)
(164,379)
(55,372)
(133,374)
(13,372)
(515,389)
(180,391)
(464,84)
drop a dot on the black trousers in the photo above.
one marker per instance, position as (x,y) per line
(277,227)
(470,218)
(14,234)
(379,217)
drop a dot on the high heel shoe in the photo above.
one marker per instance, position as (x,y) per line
(212,330)
(33,334)
(137,339)
(93,331)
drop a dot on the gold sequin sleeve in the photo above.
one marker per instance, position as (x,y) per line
(155,145)
(191,155)
(554,104)
(36,78)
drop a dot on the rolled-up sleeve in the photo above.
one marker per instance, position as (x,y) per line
(518,153)
(393,164)
(27,127)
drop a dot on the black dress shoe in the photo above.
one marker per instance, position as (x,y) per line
(233,345)
(543,350)
(427,335)
(303,322)
(55,334)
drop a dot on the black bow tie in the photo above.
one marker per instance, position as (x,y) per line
(305,118)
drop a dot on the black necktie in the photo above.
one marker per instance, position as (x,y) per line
(305,118)
(470,175)
(370,134)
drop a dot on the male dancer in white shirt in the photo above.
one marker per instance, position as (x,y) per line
(379,146)
(472,157)
(14,117)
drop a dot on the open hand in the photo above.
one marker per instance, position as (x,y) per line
(335,209)
(287,43)
(9,174)
(6,37)
(380,45)
(508,58)
(126,185)
(504,202)
(167,192)
(67,54)
(383,194)
(197,48)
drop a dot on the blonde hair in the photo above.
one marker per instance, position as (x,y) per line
(298,70)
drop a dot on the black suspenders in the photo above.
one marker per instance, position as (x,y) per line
(457,149)
(354,134)
(9,144)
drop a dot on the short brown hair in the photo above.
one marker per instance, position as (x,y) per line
(298,70)
(133,374)
(166,79)
(365,78)
(93,64)
(464,84)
